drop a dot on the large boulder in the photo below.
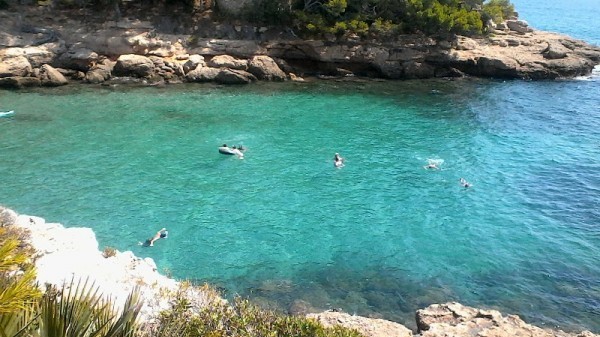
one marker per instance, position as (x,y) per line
(265,68)
(81,59)
(226,61)
(193,62)
(202,74)
(51,77)
(518,26)
(134,65)
(233,76)
(99,73)
(15,66)
(368,327)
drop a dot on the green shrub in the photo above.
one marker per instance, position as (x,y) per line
(240,318)
(335,7)
(384,28)
(339,28)
(358,27)
(498,10)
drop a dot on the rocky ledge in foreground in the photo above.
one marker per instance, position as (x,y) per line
(37,50)
(64,254)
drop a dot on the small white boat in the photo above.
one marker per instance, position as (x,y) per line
(7,113)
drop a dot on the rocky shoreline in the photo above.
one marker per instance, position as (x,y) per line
(41,48)
(65,254)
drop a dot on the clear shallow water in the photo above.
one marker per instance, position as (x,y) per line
(381,236)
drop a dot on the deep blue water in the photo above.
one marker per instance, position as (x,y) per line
(381,236)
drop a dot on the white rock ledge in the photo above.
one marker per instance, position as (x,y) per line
(65,254)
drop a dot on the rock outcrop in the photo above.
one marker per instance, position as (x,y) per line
(455,319)
(513,51)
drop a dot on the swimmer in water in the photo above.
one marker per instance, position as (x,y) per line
(338,161)
(465,183)
(161,234)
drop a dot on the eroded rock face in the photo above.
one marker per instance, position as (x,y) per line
(134,65)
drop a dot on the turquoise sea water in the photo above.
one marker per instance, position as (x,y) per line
(382,236)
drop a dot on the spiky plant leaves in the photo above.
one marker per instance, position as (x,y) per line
(17,288)
(126,324)
(17,292)
(79,310)
(10,258)
(16,324)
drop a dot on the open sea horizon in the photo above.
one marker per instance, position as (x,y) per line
(380,237)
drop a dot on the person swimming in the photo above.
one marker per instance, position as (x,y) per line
(161,234)
(433,164)
(238,152)
(338,161)
(465,183)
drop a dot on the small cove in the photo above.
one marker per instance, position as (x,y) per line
(381,236)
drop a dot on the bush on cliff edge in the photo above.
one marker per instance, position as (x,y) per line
(240,318)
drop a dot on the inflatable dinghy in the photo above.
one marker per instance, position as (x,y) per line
(226,150)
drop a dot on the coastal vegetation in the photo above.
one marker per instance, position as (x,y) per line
(238,318)
(374,19)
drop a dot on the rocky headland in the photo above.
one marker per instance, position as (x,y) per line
(42,47)
(66,254)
